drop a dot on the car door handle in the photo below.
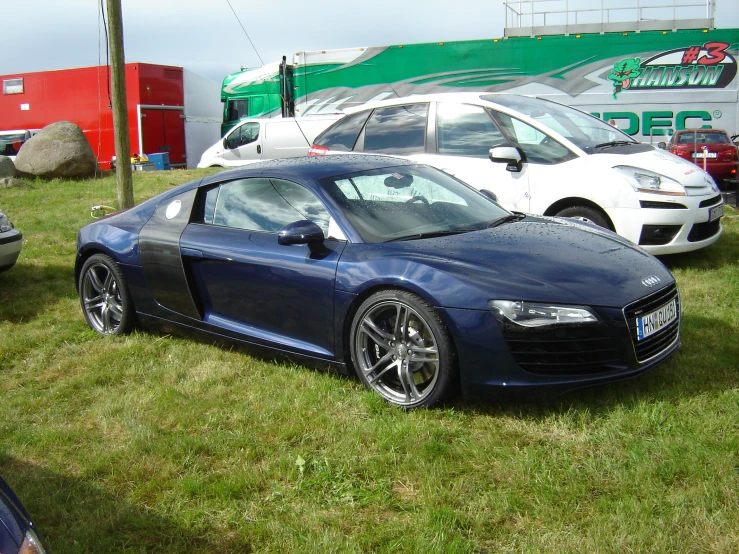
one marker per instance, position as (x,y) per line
(191,252)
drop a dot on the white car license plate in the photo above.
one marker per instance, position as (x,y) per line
(659,319)
(706,155)
(715,213)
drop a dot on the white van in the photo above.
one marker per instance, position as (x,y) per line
(547,159)
(264,139)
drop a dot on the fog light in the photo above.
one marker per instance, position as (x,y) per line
(655,235)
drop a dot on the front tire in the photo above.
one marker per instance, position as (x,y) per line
(401,349)
(104,296)
(587,214)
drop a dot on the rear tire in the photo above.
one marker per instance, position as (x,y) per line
(401,349)
(587,214)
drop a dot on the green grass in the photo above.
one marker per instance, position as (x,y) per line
(156,443)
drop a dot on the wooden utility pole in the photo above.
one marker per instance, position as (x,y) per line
(120,107)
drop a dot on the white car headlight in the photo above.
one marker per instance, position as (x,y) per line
(643,180)
(534,314)
(5,224)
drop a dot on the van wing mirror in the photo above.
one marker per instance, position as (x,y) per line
(662,145)
(511,155)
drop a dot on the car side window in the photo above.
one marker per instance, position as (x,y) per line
(342,135)
(244,134)
(397,130)
(539,147)
(262,204)
(466,130)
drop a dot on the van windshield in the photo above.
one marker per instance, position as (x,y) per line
(583,130)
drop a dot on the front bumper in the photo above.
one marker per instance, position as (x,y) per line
(689,222)
(494,359)
(11,243)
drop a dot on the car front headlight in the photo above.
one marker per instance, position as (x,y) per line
(31,544)
(534,314)
(643,180)
(5,224)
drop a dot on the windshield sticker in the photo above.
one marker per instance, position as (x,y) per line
(694,67)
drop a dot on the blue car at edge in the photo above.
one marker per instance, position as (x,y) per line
(420,284)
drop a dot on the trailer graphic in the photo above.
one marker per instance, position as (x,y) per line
(614,72)
(707,66)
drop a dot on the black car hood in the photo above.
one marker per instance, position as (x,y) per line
(535,259)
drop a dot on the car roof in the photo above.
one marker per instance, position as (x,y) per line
(418,98)
(310,168)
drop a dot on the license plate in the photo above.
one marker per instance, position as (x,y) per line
(706,155)
(649,324)
(715,213)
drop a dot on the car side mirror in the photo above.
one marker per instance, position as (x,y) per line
(511,155)
(300,232)
(490,194)
(662,145)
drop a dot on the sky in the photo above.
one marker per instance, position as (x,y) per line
(205,37)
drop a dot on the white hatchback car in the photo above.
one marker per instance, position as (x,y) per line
(551,160)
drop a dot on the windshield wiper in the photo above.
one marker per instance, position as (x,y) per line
(515,216)
(432,234)
(614,143)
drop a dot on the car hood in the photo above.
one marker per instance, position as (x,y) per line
(696,181)
(535,259)
(211,153)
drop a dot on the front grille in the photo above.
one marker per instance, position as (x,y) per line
(664,338)
(569,350)
(710,202)
(702,231)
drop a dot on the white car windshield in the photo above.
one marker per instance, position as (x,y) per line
(585,131)
(410,202)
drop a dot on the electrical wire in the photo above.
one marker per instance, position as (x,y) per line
(107,54)
(242,28)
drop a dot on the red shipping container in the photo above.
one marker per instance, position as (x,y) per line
(155,98)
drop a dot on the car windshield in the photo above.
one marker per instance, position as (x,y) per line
(11,143)
(703,138)
(585,131)
(410,202)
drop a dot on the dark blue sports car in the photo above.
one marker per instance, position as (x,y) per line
(416,281)
(18,534)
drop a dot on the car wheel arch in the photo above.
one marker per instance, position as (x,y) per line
(346,324)
(573,202)
(83,256)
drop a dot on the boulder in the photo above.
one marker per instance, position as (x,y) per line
(58,150)
(7,167)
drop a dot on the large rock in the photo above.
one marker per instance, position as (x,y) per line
(7,167)
(58,150)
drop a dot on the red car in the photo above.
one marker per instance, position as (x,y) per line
(721,155)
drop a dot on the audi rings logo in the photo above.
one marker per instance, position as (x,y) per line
(650,281)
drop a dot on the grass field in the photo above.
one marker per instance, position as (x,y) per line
(154,443)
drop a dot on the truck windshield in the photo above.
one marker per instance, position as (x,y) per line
(583,130)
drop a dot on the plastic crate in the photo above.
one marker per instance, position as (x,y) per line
(160,160)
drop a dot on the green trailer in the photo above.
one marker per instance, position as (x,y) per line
(651,83)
